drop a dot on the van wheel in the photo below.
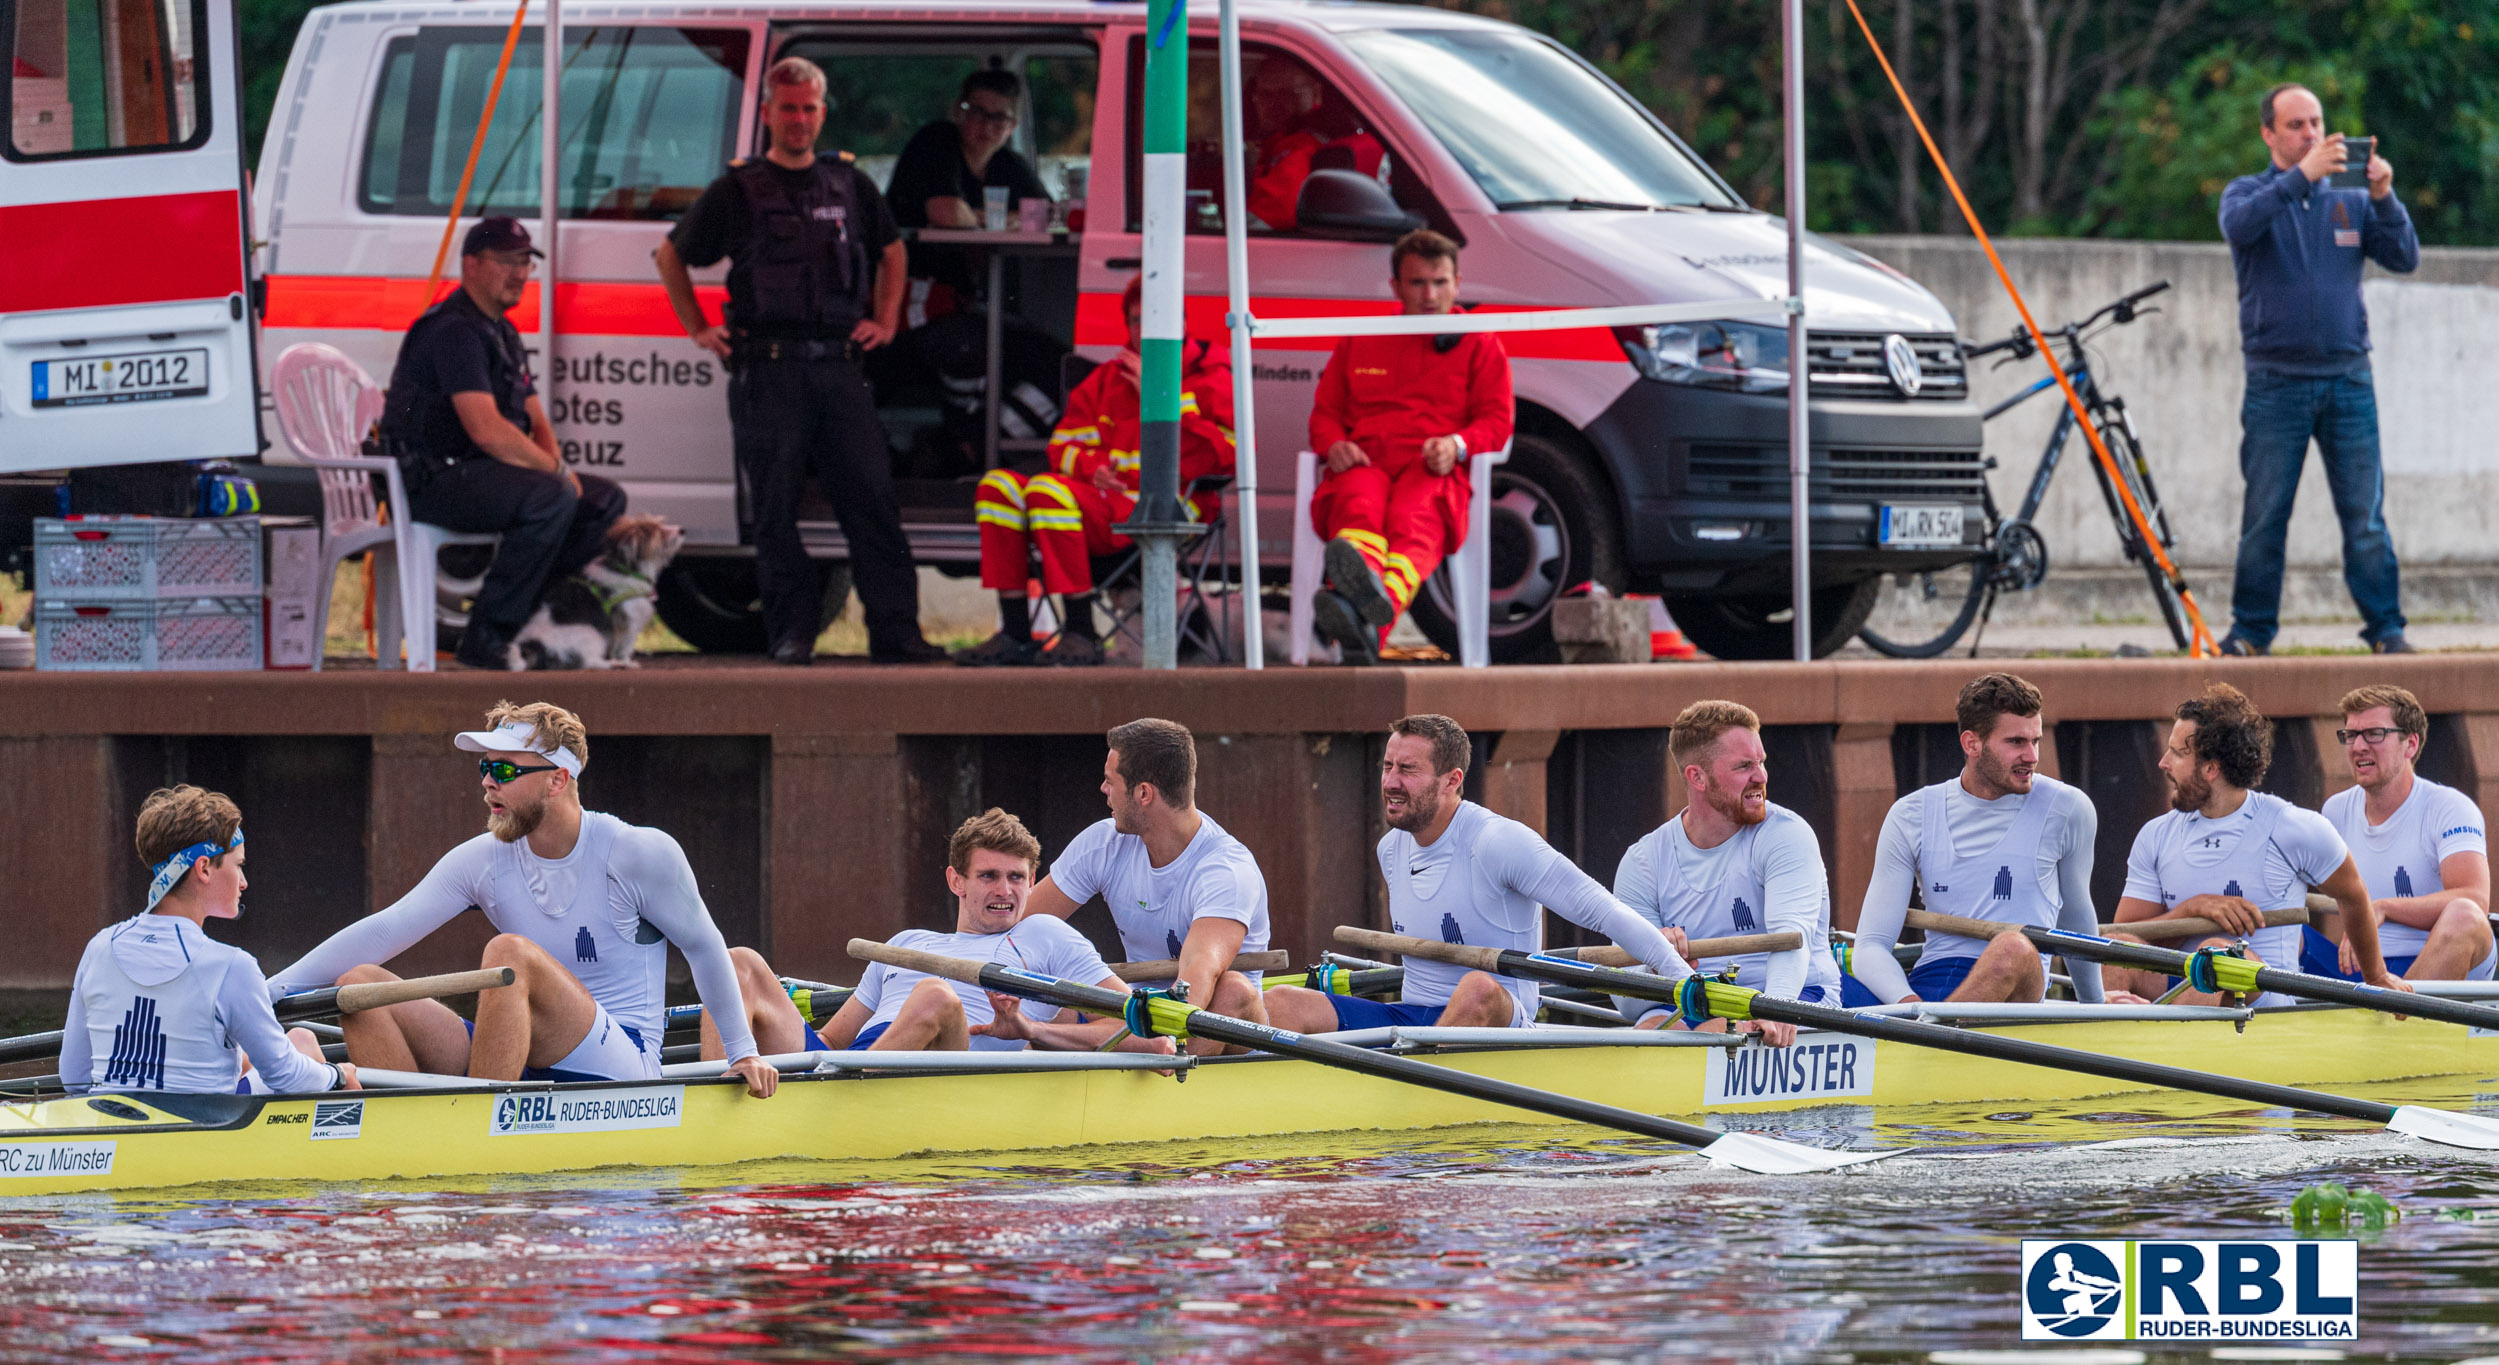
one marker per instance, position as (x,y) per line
(1758,627)
(713,604)
(1553,528)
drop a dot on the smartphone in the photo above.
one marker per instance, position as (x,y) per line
(2355,172)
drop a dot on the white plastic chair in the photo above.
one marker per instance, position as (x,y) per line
(325,404)
(1469,566)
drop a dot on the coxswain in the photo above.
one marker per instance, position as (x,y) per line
(1732,862)
(1178,886)
(584,907)
(157,1003)
(2419,846)
(2228,853)
(1461,874)
(990,866)
(2009,844)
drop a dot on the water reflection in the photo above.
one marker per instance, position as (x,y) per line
(1494,1244)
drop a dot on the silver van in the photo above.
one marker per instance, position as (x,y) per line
(1647,459)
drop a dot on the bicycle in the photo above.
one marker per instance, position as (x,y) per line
(2015,555)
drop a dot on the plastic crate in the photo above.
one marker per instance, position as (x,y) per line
(144,558)
(86,635)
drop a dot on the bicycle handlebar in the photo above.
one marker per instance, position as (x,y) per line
(2019,341)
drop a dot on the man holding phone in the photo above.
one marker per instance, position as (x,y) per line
(2299,240)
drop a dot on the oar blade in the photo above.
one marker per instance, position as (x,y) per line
(2446,1127)
(1773,1156)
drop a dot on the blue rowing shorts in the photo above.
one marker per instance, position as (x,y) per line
(1354,1012)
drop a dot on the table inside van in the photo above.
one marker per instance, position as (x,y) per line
(998,246)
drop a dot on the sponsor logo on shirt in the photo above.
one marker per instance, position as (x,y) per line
(2474,830)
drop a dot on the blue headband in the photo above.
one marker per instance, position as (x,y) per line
(169,872)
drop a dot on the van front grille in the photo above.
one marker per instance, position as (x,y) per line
(1760,473)
(1851,363)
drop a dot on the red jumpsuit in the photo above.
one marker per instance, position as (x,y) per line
(1061,513)
(1388,395)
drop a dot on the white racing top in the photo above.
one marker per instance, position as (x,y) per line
(1481,882)
(2268,851)
(2402,856)
(1040,943)
(606,912)
(159,1005)
(1214,877)
(2019,859)
(1766,878)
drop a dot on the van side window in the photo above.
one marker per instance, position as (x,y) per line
(1295,122)
(99,77)
(650,117)
(880,96)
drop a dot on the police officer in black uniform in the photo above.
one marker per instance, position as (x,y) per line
(816,273)
(476,449)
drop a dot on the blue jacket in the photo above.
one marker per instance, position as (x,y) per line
(2298,249)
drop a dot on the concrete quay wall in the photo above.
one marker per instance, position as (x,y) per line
(815,806)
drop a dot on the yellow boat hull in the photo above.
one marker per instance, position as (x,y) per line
(71,1145)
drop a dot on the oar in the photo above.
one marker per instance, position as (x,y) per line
(1340,981)
(1701,997)
(2192,926)
(320,1004)
(1160,1014)
(2244,976)
(1168,968)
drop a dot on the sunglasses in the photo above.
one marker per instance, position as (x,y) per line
(501,771)
(2375,734)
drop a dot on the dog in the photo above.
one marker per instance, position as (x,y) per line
(592,619)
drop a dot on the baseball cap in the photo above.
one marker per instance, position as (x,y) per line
(498,233)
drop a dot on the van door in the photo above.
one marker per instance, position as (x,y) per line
(124,335)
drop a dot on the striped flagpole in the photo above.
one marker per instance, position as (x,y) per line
(1158,522)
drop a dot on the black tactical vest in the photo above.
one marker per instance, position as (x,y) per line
(803,269)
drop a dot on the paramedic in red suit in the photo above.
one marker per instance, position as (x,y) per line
(1300,129)
(1067,512)
(1395,419)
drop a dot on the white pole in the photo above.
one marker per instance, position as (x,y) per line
(550,192)
(1244,399)
(1799,363)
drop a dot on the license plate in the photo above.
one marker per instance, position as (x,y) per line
(138,377)
(1914,527)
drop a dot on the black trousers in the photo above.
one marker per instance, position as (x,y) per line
(546,530)
(795,418)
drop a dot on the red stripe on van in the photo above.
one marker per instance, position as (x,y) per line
(606,309)
(1098,323)
(101,253)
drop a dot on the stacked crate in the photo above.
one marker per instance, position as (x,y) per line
(147,593)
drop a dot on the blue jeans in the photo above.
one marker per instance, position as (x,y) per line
(2279,416)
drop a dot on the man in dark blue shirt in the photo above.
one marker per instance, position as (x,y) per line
(479,454)
(2299,246)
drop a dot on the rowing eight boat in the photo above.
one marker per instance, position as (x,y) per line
(1026,1102)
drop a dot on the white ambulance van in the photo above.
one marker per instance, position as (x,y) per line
(1647,459)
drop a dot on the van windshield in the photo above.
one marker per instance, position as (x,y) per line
(1534,126)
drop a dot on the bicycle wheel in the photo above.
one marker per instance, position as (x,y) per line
(2130,467)
(1920,615)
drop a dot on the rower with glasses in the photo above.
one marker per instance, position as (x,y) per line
(584,907)
(2420,848)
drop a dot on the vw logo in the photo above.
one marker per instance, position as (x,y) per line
(1901,359)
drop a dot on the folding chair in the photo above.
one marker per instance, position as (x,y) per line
(326,402)
(1466,573)
(1205,618)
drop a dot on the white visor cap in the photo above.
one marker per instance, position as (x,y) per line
(514,737)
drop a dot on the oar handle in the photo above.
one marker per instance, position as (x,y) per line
(2192,926)
(1603,955)
(1167,968)
(914,960)
(373,995)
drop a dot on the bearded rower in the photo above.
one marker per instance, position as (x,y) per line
(990,864)
(159,1005)
(1732,862)
(2228,853)
(2000,842)
(1461,874)
(2419,846)
(584,906)
(1177,885)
